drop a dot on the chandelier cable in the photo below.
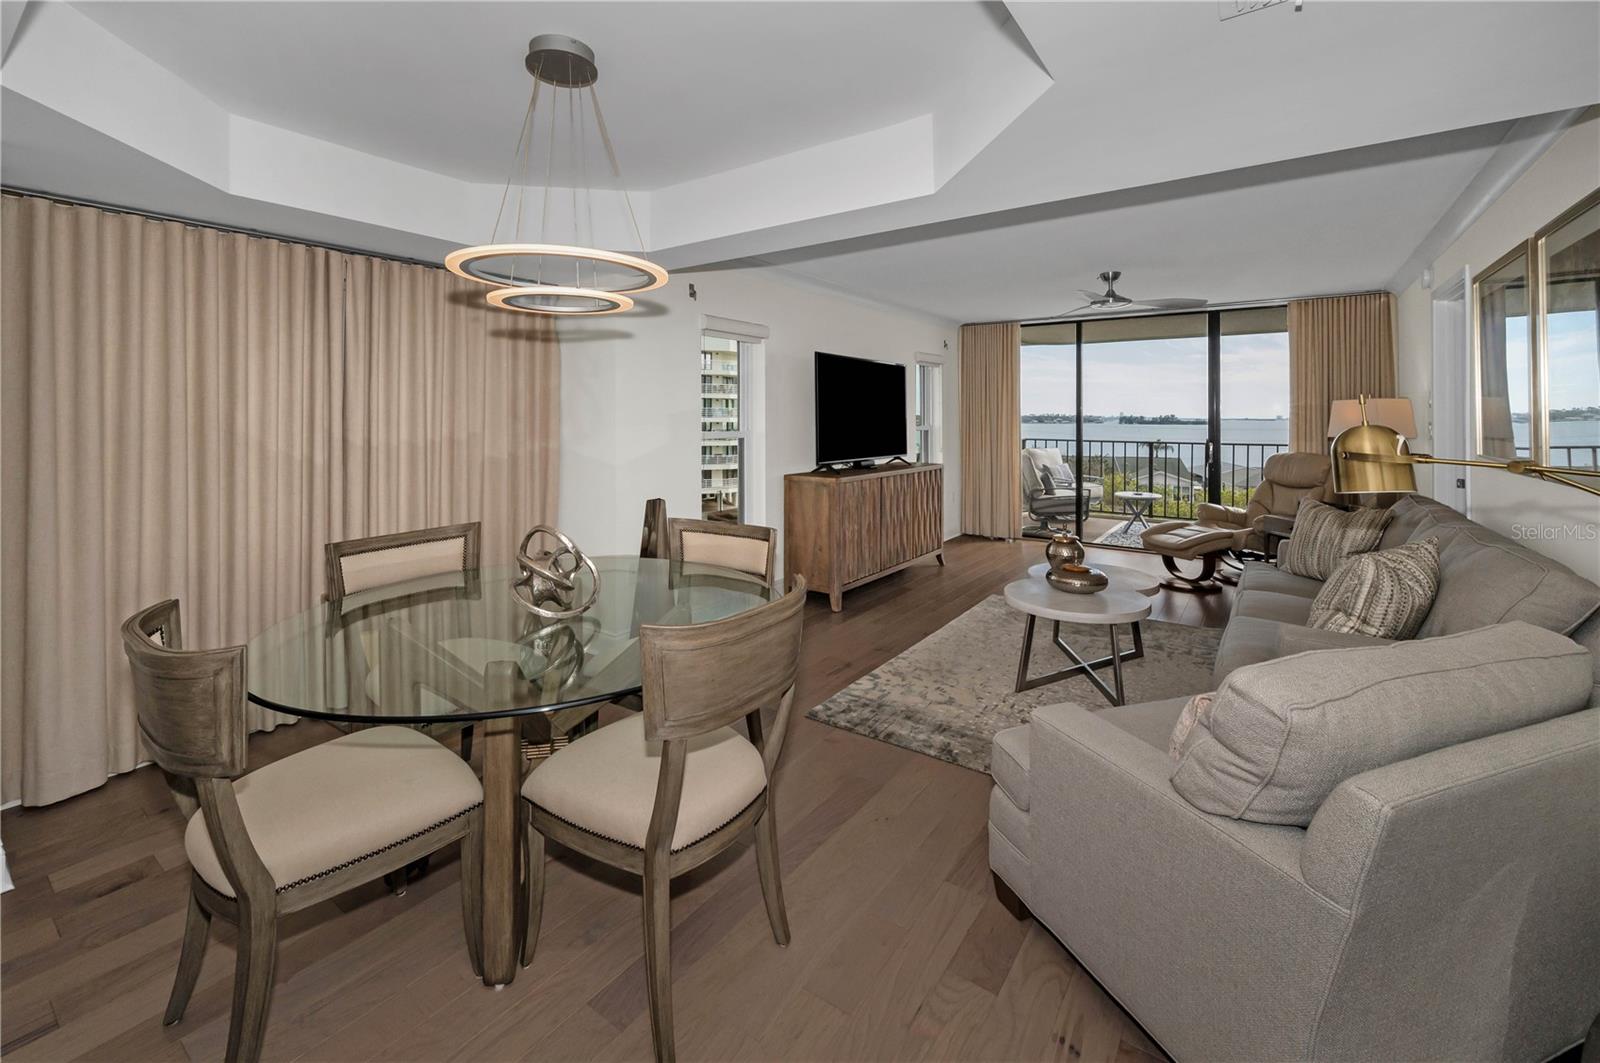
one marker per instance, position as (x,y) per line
(616,170)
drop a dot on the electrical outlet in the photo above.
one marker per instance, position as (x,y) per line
(1461,483)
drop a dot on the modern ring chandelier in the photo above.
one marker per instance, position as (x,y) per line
(541,277)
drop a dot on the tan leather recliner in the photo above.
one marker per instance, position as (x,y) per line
(1286,479)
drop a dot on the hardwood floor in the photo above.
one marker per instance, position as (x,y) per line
(900,949)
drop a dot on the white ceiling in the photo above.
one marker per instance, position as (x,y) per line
(689,89)
(977,161)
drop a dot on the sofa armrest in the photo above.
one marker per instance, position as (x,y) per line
(1202,926)
(1471,871)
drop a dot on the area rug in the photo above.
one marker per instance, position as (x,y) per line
(1118,536)
(948,695)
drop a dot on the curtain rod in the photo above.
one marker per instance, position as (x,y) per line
(196,223)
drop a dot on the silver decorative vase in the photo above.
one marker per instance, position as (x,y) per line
(1064,549)
(1067,570)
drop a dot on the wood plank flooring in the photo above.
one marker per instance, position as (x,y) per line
(900,949)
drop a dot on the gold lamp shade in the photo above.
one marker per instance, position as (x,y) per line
(1372,459)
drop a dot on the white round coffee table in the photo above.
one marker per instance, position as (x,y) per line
(1108,608)
(1122,577)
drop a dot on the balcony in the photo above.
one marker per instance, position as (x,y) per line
(1176,471)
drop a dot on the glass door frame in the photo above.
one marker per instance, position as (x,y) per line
(1213,448)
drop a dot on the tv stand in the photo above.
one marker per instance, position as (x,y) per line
(844,529)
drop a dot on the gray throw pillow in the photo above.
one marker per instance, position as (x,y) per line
(1324,536)
(1055,477)
(1283,734)
(1385,594)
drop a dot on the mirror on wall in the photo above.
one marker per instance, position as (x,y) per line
(1569,270)
(1536,333)
(1505,358)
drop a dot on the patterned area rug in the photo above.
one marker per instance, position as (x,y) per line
(948,695)
(1117,537)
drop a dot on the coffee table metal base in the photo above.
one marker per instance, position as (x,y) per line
(1079,665)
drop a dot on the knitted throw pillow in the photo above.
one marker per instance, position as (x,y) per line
(1324,536)
(1384,595)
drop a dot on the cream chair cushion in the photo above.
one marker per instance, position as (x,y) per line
(739,552)
(605,783)
(338,803)
(399,563)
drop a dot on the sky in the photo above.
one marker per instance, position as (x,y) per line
(1574,364)
(1153,377)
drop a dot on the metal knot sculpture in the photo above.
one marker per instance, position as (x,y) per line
(547,586)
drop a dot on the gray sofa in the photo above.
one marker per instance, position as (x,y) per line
(1446,906)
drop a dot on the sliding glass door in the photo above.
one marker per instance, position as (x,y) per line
(1165,411)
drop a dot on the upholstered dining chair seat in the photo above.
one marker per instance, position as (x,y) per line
(335,804)
(605,783)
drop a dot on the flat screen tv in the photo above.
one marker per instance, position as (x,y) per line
(861,409)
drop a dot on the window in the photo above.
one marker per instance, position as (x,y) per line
(929,401)
(1184,406)
(723,365)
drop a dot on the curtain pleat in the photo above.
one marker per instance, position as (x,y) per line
(191,413)
(991,430)
(1341,347)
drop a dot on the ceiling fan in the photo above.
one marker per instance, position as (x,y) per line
(1111,299)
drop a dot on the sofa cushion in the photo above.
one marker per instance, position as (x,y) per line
(1416,516)
(1485,578)
(1270,605)
(1260,576)
(1250,640)
(1283,734)
(1385,594)
(1325,536)
(1151,722)
(1008,763)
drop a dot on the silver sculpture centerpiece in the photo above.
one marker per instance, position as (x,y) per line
(548,585)
(1067,570)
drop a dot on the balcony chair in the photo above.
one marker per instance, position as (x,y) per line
(1051,494)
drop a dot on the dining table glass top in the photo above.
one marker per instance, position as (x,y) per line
(458,646)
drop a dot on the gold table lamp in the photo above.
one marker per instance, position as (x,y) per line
(1373,458)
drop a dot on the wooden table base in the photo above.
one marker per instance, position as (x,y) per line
(500,864)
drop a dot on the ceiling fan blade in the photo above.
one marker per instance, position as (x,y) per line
(1091,296)
(1075,310)
(1172,304)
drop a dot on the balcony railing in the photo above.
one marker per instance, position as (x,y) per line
(1578,456)
(1174,470)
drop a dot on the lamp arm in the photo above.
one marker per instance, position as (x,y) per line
(1549,473)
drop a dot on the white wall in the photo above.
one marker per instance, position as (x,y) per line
(1564,520)
(630,396)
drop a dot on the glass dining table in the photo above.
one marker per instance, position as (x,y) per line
(457,648)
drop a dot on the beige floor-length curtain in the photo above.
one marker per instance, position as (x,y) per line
(190,413)
(991,430)
(1340,347)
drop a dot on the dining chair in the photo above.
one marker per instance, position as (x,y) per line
(355,565)
(291,833)
(749,548)
(710,783)
(653,536)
